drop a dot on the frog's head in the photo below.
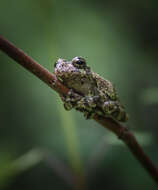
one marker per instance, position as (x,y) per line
(76,65)
(78,62)
(73,74)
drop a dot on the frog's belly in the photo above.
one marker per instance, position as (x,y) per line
(84,89)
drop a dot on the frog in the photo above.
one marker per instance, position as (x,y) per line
(88,92)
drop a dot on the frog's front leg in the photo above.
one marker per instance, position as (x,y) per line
(85,104)
(70,100)
(116,110)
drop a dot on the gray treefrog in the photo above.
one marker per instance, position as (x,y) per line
(89,92)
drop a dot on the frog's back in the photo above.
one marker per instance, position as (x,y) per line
(105,87)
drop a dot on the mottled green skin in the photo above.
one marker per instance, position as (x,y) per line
(90,93)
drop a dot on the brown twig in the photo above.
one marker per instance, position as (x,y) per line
(31,65)
(129,139)
(121,131)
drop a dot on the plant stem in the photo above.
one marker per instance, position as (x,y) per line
(129,139)
(31,65)
(121,131)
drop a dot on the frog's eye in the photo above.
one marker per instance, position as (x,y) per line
(79,62)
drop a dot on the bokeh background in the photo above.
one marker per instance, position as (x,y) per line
(41,145)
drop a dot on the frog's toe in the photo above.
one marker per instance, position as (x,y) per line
(109,107)
(96,99)
(68,106)
(122,116)
(89,115)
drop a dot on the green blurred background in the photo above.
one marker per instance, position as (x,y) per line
(41,145)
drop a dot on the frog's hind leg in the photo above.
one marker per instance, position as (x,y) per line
(116,110)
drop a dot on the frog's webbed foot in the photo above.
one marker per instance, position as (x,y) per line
(116,110)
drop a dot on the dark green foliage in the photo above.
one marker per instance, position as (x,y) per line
(119,39)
